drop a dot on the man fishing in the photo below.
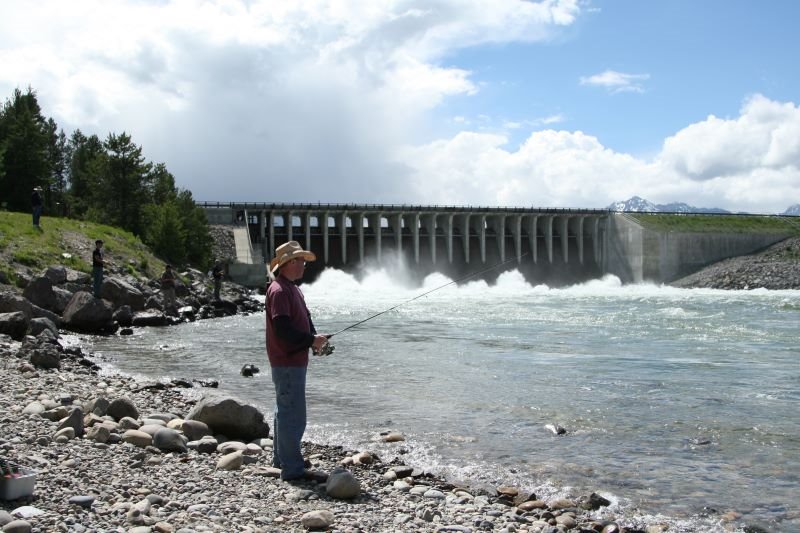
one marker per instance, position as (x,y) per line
(290,334)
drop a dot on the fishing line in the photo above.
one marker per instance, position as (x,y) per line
(501,263)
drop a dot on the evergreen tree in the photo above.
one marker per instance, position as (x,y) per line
(58,153)
(195,224)
(108,182)
(162,184)
(87,162)
(125,184)
(165,232)
(24,145)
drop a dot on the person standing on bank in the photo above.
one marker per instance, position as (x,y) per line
(36,205)
(216,272)
(168,289)
(97,267)
(290,333)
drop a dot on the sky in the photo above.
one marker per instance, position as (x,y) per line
(541,103)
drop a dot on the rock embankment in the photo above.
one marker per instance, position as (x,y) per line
(114,454)
(223,246)
(61,298)
(776,268)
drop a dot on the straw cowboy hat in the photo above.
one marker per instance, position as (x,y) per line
(288,251)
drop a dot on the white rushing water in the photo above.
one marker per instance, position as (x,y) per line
(674,400)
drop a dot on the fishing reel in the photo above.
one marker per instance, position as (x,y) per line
(326,349)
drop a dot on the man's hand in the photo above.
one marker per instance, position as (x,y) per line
(325,348)
(319,342)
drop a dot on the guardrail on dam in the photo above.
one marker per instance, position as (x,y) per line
(543,243)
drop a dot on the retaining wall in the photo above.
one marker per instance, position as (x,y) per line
(636,254)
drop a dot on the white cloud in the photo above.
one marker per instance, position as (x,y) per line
(751,163)
(765,136)
(617,82)
(309,101)
(285,101)
(551,168)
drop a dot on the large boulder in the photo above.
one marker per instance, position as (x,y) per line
(10,303)
(61,299)
(120,293)
(15,325)
(41,352)
(123,316)
(56,274)
(39,312)
(149,318)
(40,292)
(231,418)
(78,277)
(88,314)
(37,325)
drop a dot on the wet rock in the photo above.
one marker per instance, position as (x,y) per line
(249,370)
(593,502)
(392,436)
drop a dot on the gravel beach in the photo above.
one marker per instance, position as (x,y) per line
(114,454)
(97,472)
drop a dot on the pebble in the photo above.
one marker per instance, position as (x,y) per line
(18,526)
(127,485)
(82,501)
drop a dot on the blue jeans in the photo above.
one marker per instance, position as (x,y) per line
(289,423)
(97,278)
(37,212)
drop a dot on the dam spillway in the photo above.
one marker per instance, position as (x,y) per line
(545,244)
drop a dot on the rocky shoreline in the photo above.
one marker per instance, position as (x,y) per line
(776,268)
(114,454)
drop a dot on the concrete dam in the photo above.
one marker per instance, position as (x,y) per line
(547,245)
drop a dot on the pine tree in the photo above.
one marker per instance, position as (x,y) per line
(24,145)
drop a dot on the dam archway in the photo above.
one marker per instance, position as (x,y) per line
(546,245)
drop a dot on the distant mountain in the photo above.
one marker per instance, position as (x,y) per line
(640,205)
(793,210)
(634,204)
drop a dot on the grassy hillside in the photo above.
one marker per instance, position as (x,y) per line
(718,223)
(69,243)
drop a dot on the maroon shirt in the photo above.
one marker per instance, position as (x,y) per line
(285,299)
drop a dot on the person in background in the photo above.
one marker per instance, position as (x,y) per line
(217,273)
(97,267)
(290,333)
(168,288)
(36,205)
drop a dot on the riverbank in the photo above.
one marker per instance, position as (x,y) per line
(776,268)
(107,484)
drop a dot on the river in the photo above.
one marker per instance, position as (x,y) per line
(678,404)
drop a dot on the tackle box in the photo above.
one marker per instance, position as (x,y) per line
(15,481)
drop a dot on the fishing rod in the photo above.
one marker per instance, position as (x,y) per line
(501,263)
